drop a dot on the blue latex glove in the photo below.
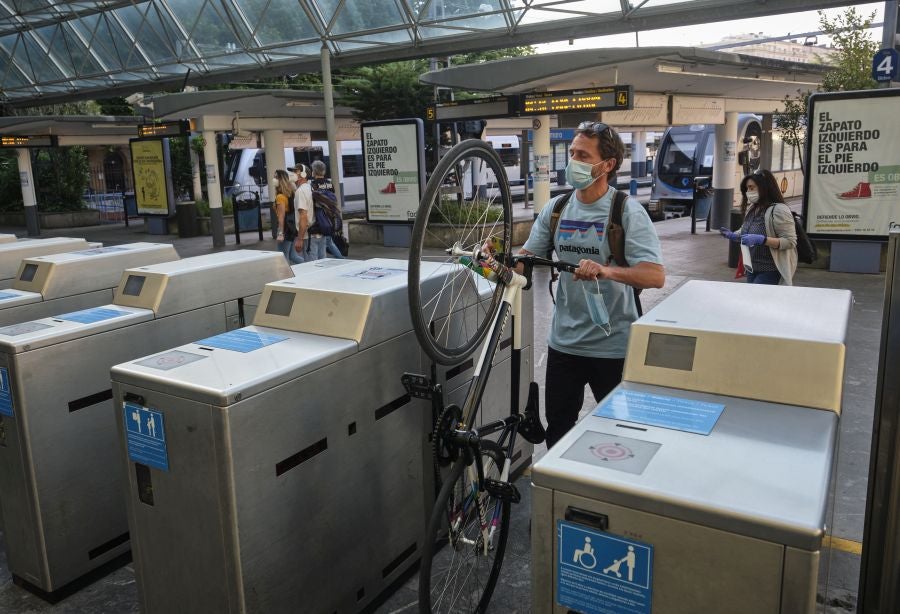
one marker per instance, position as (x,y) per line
(728,234)
(753,240)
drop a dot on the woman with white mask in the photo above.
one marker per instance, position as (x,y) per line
(768,231)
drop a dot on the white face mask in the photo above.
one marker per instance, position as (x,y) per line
(752,197)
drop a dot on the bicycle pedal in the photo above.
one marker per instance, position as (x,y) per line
(505,491)
(418,386)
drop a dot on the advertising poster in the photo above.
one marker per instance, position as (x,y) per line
(393,156)
(853,176)
(151,189)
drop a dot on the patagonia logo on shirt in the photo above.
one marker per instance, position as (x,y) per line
(570,229)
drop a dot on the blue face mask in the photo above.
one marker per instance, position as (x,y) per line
(596,306)
(578,174)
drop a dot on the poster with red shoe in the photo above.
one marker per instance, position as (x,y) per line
(852,183)
(394,169)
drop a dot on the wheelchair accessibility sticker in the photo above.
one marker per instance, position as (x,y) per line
(600,573)
(145,431)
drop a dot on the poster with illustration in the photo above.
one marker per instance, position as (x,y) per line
(852,186)
(394,164)
(150,164)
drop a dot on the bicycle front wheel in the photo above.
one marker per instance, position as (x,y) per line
(465,204)
(465,542)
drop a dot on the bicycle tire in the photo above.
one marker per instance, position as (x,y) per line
(442,545)
(445,301)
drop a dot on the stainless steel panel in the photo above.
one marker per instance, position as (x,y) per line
(12,254)
(60,488)
(329,533)
(16,314)
(770,464)
(695,568)
(798,590)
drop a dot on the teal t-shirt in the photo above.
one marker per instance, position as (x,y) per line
(581,234)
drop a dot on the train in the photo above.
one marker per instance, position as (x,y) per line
(686,152)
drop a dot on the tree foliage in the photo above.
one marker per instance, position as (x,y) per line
(850,70)
(386,91)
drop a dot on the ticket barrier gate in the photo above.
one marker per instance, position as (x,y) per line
(61,484)
(700,484)
(47,285)
(13,253)
(291,471)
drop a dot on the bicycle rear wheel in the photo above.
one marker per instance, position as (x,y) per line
(465,204)
(456,574)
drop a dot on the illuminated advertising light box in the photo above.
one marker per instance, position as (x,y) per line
(852,183)
(151,167)
(394,167)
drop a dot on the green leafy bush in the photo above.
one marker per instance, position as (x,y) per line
(203,207)
(451,211)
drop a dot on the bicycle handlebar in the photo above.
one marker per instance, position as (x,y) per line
(559,265)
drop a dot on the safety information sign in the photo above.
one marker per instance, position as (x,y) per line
(600,573)
(241,341)
(668,412)
(6,400)
(145,432)
(89,316)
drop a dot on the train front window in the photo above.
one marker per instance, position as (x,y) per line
(678,153)
(509,156)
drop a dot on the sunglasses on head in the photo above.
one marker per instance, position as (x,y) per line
(597,128)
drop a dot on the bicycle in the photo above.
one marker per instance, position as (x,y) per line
(480,291)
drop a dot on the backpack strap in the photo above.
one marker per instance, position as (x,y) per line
(558,207)
(615,230)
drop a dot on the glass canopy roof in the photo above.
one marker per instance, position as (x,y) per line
(52,51)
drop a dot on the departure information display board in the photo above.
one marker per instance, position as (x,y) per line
(44,140)
(589,100)
(613,98)
(162,129)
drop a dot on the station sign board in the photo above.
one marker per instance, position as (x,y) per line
(589,100)
(852,184)
(16,141)
(165,129)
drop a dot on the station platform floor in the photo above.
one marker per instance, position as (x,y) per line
(701,256)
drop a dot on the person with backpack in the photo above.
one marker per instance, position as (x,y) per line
(285,220)
(596,306)
(323,186)
(304,207)
(769,230)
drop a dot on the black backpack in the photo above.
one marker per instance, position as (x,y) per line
(615,236)
(806,249)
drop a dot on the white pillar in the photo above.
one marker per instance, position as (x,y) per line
(26,180)
(334,154)
(541,131)
(213,188)
(724,166)
(638,154)
(195,170)
(273,144)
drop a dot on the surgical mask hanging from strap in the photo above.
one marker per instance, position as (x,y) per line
(596,305)
(578,174)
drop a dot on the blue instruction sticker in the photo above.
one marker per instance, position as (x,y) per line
(5,296)
(601,573)
(668,412)
(89,316)
(241,340)
(6,400)
(145,432)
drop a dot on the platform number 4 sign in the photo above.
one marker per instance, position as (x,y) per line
(884,65)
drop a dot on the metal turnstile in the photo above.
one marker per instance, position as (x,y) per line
(47,285)
(290,469)
(13,253)
(700,484)
(61,483)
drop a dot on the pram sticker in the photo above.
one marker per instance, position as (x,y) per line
(676,413)
(241,340)
(145,432)
(170,360)
(90,316)
(376,272)
(96,251)
(6,400)
(20,329)
(601,573)
(5,296)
